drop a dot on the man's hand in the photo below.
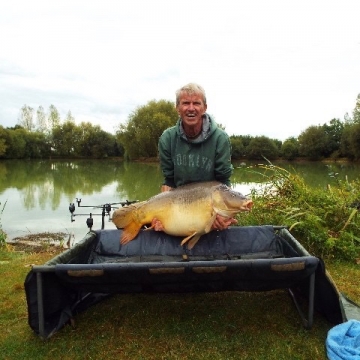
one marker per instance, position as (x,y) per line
(157,225)
(165,188)
(222,223)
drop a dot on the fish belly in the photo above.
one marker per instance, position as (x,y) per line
(186,221)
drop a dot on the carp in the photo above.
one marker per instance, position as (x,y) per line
(188,210)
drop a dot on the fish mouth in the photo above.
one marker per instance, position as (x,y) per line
(247,205)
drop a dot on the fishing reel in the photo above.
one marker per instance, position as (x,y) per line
(106,211)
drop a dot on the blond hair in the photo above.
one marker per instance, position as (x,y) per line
(190,89)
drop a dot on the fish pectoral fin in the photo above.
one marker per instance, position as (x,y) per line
(209,224)
(188,238)
(193,241)
(129,233)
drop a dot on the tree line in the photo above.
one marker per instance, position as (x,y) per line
(46,135)
(50,137)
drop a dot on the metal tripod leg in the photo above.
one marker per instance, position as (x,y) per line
(308,322)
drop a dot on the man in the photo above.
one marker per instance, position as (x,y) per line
(195,149)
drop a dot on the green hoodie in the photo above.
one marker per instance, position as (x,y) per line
(206,158)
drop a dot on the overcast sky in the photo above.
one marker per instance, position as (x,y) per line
(269,67)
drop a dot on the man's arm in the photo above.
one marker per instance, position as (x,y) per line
(223,168)
(222,223)
(166,162)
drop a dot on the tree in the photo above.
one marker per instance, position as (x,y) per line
(3,145)
(65,137)
(91,141)
(313,142)
(278,143)
(16,142)
(333,133)
(345,150)
(356,112)
(245,139)
(26,117)
(41,121)
(84,140)
(36,145)
(290,148)
(238,149)
(69,118)
(350,139)
(262,146)
(140,134)
(354,141)
(103,144)
(53,117)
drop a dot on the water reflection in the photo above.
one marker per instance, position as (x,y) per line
(45,182)
(38,193)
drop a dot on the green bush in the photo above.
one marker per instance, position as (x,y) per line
(325,221)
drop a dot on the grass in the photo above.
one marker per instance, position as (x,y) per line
(228,325)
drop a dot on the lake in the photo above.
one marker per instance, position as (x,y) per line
(38,193)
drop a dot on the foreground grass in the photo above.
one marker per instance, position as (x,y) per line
(232,325)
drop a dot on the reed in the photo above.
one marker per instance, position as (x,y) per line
(325,221)
(3,235)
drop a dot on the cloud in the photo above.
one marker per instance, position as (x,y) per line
(269,68)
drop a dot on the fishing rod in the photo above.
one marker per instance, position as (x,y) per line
(106,211)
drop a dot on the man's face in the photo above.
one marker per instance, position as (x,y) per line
(191,108)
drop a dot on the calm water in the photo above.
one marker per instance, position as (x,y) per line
(38,193)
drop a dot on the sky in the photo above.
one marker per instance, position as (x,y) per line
(269,67)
